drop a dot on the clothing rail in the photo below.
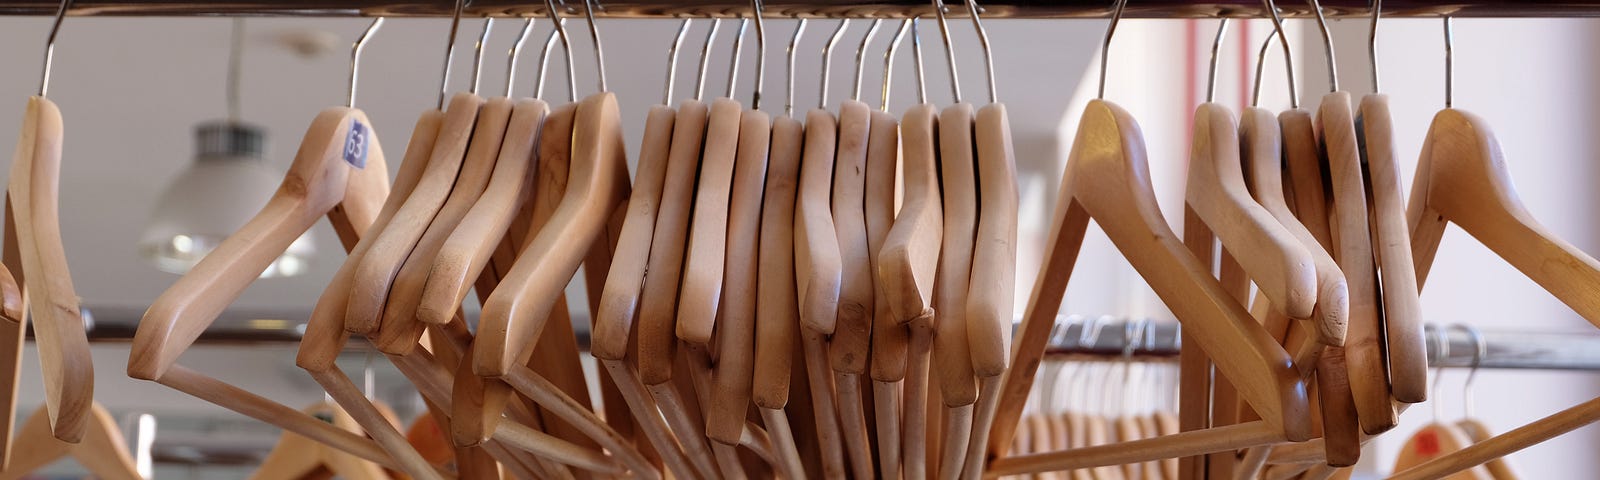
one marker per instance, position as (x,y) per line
(1451,347)
(805,8)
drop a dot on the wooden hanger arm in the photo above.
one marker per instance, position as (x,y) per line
(1402,319)
(1219,439)
(910,254)
(1280,265)
(543,270)
(994,254)
(818,265)
(891,338)
(468,251)
(704,261)
(777,305)
(620,301)
(657,324)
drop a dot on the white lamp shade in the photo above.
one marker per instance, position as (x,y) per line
(209,201)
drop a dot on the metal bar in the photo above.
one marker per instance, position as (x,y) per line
(1505,349)
(804,8)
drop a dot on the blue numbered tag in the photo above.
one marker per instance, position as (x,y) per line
(355,145)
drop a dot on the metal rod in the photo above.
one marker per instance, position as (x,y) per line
(807,8)
(1449,346)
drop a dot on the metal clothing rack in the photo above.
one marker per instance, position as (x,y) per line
(1449,346)
(805,8)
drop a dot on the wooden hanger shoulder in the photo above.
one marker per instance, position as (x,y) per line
(315,184)
(890,336)
(468,251)
(658,298)
(853,331)
(1402,315)
(994,255)
(541,273)
(910,253)
(818,264)
(619,304)
(1261,147)
(736,330)
(952,358)
(704,262)
(777,304)
(64,358)
(1351,229)
(1280,265)
(376,274)
(400,328)
(1433,441)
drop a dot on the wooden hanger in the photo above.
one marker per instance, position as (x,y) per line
(848,348)
(338,172)
(906,267)
(101,449)
(400,329)
(614,321)
(1106,180)
(819,272)
(890,336)
(1435,440)
(382,261)
(1477,431)
(992,295)
(1352,237)
(296,457)
(952,358)
(735,334)
(1461,178)
(547,263)
(658,341)
(1402,317)
(777,306)
(704,261)
(33,192)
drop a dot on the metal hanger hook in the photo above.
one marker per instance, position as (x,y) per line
(566,46)
(861,55)
(888,62)
(949,50)
(705,59)
(1288,55)
(589,6)
(355,59)
(1211,77)
(477,53)
(1372,42)
(1327,46)
(450,52)
(827,61)
(916,57)
(516,53)
(1438,372)
(738,51)
(1105,47)
(794,44)
(761,56)
(50,47)
(544,59)
(1449,65)
(672,60)
(988,55)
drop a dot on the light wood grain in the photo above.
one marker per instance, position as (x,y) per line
(33,193)
(952,357)
(658,301)
(1477,431)
(736,330)
(375,275)
(13,323)
(994,253)
(907,265)
(1279,263)
(550,259)
(777,307)
(890,337)
(400,328)
(701,290)
(1402,310)
(1364,341)
(102,450)
(818,263)
(620,300)
(1433,441)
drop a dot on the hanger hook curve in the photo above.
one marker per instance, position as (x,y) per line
(705,59)
(794,44)
(1211,78)
(477,53)
(1105,47)
(589,6)
(888,61)
(355,59)
(827,61)
(672,60)
(450,52)
(988,55)
(1288,55)
(50,47)
(1327,46)
(516,53)
(761,55)
(861,55)
(738,51)
(916,58)
(949,49)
